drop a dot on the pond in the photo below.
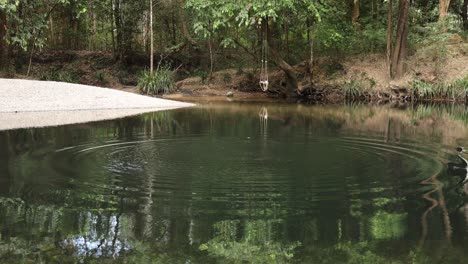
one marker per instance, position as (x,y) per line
(227,183)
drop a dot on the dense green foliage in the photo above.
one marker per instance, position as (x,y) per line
(206,35)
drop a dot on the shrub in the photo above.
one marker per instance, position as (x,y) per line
(227,78)
(240,70)
(203,75)
(59,76)
(161,82)
(100,77)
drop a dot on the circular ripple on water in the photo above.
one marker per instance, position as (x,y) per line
(206,175)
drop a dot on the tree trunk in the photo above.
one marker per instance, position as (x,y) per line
(112,28)
(52,31)
(151,39)
(389,36)
(211,58)
(174,33)
(291,74)
(183,25)
(465,14)
(443,9)
(94,17)
(286,28)
(310,37)
(356,13)
(3,44)
(399,51)
(145,32)
(118,27)
(311,62)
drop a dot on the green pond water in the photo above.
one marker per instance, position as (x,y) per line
(239,183)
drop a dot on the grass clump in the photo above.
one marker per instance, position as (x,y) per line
(353,89)
(59,76)
(101,77)
(457,90)
(359,87)
(160,82)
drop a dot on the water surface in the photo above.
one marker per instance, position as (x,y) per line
(226,183)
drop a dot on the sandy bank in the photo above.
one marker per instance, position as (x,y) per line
(25,103)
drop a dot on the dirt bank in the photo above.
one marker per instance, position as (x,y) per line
(360,77)
(355,77)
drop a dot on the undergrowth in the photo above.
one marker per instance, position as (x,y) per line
(59,76)
(453,91)
(160,82)
(359,87)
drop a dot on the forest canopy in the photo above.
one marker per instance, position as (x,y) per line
(211,35)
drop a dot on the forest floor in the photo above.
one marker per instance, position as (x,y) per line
(332,77)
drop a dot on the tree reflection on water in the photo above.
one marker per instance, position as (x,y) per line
(121,206)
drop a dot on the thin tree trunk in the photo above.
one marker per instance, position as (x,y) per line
(287,39)
(118,27)
(465,14)
(310,36)
(174,34)
(399,51)
(112,28)
(145,32)
(52,31)
(311,62)
(30,57)
(3,44)
(152,39)
(94,17)
(211,57)
(356,13)
(389,36)
(443,9)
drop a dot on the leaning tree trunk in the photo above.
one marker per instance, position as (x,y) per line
(443,9)
(399,51)
(291,75)
(183,25)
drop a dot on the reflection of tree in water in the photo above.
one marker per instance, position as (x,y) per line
(393,131)
(147,227)
(457,181)
(253,241)
(263,116)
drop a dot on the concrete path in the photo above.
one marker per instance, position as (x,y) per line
(25,103)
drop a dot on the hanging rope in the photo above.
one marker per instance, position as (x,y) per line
(264,62)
